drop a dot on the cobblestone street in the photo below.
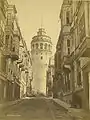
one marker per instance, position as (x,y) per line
(35,109)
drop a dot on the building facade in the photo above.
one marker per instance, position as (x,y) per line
(25,66)
(10,39)
(64,48)
(74,48)
(9,50)
(57,80)
(40,51)
(29,75)
(50,74)
(3,9)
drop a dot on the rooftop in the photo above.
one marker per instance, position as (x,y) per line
(41,35)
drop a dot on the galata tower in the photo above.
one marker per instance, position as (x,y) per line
(41,51)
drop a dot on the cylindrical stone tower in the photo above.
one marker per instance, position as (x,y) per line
(41,46)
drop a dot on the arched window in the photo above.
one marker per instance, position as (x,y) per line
(49,47)
(41,57)
(45,46)
(41,45)
(13,49)
(37,45)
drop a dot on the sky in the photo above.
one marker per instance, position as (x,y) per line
(32,13)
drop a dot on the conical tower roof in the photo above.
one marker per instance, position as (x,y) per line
(41,36)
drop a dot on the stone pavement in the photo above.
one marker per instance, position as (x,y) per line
(76,114)
(38,108)
(9,103)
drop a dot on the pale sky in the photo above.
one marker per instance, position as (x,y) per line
(30,13)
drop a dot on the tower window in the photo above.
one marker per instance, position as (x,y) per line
(41,57)
(41,45)
(13,49)
(7,36)
(11,72)
(36,53)
(45,46)
(36,45)
(49,47)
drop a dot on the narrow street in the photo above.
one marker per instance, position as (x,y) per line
(35,109)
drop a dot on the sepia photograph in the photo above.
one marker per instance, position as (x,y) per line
(44,59)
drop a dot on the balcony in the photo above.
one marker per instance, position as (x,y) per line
(66,60)
(84,48)
(15,55)
(66,63)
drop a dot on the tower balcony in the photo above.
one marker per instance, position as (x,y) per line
(15,55)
